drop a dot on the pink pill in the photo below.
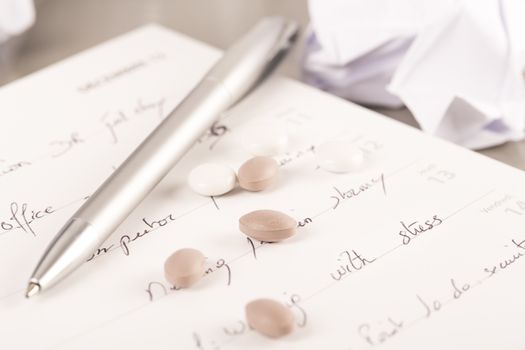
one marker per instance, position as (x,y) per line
(184,268)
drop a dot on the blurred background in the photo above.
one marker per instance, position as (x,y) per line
(65,27)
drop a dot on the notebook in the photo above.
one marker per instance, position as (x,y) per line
(420,249)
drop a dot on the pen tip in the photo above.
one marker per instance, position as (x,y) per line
(32,289)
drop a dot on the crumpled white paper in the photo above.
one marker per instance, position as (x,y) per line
(457,65)
(16,16)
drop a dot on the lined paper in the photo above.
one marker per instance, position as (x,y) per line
(421,249)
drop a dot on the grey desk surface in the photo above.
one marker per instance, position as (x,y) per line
(65,27)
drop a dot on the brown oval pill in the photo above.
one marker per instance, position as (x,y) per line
(269,318)
(257,173)
(267,225)
(184,268)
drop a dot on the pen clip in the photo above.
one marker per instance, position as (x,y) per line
(288,36)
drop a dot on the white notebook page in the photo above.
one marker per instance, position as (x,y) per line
(357,275)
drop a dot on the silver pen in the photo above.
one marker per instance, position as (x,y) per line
(241,68)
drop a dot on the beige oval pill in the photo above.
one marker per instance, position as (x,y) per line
(267,225)
(184,268)
(269,318)
(257,173)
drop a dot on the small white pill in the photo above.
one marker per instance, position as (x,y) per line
(212,179)
(339,156)
(265,138)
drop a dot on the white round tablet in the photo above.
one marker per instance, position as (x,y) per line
(265,138)
(339,156)
(212,179)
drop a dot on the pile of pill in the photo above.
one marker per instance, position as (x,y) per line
(263,140)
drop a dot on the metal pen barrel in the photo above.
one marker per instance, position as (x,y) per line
(239,69)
